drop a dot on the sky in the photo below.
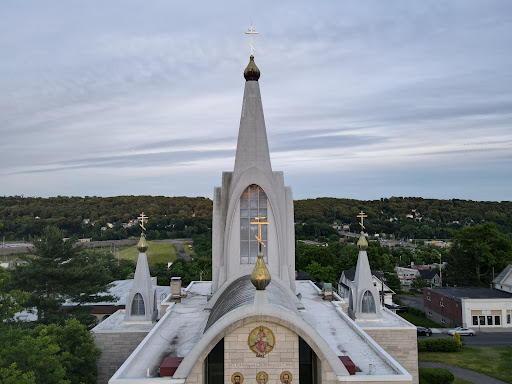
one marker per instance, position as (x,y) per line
(362,100)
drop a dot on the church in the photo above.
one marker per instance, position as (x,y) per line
(254,322)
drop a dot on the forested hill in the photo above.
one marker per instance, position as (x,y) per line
(409,217)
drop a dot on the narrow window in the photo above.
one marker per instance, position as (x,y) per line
(482,320)
(368,305)
(497,320)
(489,320)
(475,320)
(138,305)
(508,318)
(253,202)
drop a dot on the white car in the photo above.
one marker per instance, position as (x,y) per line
(462,331)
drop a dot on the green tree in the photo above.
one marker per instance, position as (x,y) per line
(10,302)
(61,271)
(419,283)
(321,274)
(475,253)
(12,375)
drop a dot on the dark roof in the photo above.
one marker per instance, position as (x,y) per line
(428,274)
(241,293)
(456,293)
(303,276)
(351,273)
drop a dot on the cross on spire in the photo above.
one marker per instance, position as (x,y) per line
(143,219)
(259,223)
(251,32)
(362,215)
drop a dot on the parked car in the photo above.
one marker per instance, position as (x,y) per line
(421,331)
(397,308)
(462,331)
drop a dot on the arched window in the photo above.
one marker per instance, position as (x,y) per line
(253,202)
(368,303)
(138,305)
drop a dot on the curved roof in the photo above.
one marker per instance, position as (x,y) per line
(241,292)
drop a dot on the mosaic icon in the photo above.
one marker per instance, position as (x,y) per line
(262,378)
(286,377)
(237,378)
(261,341)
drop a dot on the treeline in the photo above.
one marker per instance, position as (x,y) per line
(172,217)
(403,217)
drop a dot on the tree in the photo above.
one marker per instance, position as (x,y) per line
(10,302)
(321,274)
(61,271)
(477,252)
(419,283)
(392,281)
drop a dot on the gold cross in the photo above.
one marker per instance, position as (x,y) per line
(251,32)
(362,215)
(143,219)
(259,223)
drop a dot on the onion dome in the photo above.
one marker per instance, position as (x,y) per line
(143,244)
(252,72)
(362,244)
(260,276)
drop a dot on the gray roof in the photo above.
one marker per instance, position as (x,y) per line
(502,275)
(241,292)
(351,273)
(428,274)
(456,293)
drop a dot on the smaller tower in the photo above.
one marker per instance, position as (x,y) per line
(364,303)
(141,305)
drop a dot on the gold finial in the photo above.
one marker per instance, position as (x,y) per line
(142,246)
(143,219)
(259,223)
(362,215)
(260,276)
(251,32)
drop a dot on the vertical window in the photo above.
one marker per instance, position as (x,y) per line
(482,320)
(253,202)
(138,305)
(368,305)
(497,320)
(489,320)
(475,320)
(508,318)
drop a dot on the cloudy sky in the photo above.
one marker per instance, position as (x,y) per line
(362,99)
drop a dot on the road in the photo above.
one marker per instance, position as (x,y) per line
(412,301)
(481,339)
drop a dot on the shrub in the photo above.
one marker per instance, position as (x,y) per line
(438,345)
(435,376)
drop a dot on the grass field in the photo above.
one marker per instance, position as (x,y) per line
(491,361)
(157,253)
(419,321)
(461,381)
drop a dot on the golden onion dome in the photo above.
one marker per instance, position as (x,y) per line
(142,246)
(260,276)
(362,244)
(252,72)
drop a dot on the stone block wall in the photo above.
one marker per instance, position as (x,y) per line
(283,357)
(401,344)
(115,349)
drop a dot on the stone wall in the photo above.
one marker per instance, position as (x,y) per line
(115,349)
(283,357)
(401,344)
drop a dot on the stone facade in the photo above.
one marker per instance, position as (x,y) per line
(401,344)
(115,349)
(283,357)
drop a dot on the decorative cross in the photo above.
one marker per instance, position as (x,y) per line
(259,223)
(362,215)
(251,32)
(143,219)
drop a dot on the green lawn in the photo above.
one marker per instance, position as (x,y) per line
(491,361)
(157,253)
(419,321)
(461,381)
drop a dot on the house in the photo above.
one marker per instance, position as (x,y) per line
(503,281)
(480,308)
(432,276)
(346,282)
(406,276)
